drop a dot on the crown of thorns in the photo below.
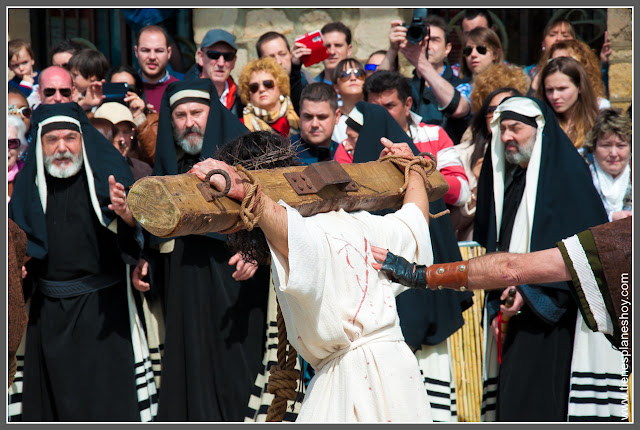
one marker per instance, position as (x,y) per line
(270,155)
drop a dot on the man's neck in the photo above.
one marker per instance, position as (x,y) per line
(153,80)
(439,67)
(220,86)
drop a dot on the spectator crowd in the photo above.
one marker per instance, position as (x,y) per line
(126,326)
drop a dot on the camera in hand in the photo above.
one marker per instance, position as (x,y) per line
(418,29)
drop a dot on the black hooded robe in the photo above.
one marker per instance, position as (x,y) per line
(79,359)
(534,377)
(215,325)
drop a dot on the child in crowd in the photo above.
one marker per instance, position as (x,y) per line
(21,63)
(87,66)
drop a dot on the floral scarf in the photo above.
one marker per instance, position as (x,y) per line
(256,118)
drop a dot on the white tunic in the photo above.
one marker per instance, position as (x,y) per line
(341,314)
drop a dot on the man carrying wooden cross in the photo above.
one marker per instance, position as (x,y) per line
(340,314)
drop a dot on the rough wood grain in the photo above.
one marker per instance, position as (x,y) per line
(169,206)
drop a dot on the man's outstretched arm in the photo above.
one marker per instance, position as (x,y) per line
(490,272)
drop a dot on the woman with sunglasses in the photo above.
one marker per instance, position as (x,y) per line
(348,81)
(16,145)
(17,105)
(481,50)
(565,86)
(264,89)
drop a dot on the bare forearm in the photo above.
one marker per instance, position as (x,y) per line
(275,225)
(500,270)
(442,89)
(389,59)
(417,193)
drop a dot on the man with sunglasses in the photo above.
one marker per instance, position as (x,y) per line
(56,86)
(216,60)
(153,53)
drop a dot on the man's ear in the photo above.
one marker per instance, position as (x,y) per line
(349,50)
(447,49)
(169,51)
(200,58)
(338,113)
(407,105)
(135,50)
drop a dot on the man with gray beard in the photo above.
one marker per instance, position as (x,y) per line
(535,190)
(86,357)
(214,302)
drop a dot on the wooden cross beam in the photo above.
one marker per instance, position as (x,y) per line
(170,206)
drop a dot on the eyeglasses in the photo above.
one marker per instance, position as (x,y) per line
(255,86)
(24,112)
(64,92)
(370,67)
(13,143)
(346,74)
(469,49)
(214,55)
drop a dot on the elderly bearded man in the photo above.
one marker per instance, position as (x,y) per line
(215,325)
(535,190)
(86,357)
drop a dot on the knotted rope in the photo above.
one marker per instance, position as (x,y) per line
(420,164)
(283,378)
(252,205)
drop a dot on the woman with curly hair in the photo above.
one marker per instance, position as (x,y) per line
(264,89)
(481,50)
(565,86)
(496,76)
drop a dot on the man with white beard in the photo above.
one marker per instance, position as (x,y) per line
(86,357)
(215,325)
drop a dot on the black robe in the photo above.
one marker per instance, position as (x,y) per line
(215,326)
(533,381)
(79,361)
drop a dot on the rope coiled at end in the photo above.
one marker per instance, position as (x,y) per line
(423,166)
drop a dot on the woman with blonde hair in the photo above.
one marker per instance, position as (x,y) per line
(565,86)
(482,49)
(264,89)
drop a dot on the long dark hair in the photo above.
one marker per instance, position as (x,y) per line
(257,150)
(479,131)
(586,110)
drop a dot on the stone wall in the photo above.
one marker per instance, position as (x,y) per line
(620,30)
(369,27)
